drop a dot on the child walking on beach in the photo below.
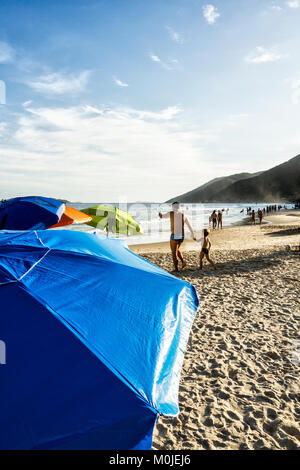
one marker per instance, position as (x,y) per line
(205,250)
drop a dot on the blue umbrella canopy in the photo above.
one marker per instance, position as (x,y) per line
(30,213)
(95,339)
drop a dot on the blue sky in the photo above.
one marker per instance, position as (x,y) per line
(143,99)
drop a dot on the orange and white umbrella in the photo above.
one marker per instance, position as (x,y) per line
(72,216)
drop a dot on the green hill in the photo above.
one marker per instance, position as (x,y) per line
(205,192)
(281,183)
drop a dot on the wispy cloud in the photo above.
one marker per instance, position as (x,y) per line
(155,58)
(59,83)
(176,37)
(119,82)
(7,53)
(293,3)
(261,54)
(123,145)
(210,13)
(26,103)
(172,64)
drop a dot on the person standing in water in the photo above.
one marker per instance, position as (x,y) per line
(177,221)
(205,250)
(214,218)
(220,219)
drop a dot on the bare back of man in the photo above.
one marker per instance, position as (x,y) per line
(177,222)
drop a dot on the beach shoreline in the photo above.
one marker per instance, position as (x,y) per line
(239,385)
(235,231)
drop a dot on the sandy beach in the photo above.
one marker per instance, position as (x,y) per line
(240,379)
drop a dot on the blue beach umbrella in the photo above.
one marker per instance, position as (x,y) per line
(94,338)
(30,213)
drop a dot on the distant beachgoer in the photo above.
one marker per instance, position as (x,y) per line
(214,218)
(177,220)
(220,219)
(253,218)
(206,246)
(260,216)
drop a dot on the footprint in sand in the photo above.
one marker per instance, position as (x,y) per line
(231,415)
(291,428)
(223,395)
(208,422)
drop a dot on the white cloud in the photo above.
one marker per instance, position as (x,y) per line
(7,53)
(176,37)
(293,3)
(261,55)
(119,82)
(210,13)
(171,65)
(155,58)
(65,151)
(59,83)
(26,103)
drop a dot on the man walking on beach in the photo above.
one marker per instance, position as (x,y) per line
(177,220)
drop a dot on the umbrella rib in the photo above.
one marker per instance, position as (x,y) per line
(34,265)
(40,240)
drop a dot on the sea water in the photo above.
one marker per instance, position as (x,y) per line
(158,230)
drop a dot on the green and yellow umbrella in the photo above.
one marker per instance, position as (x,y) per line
(112,219)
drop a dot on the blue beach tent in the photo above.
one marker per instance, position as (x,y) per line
(30,213)
(95,338)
